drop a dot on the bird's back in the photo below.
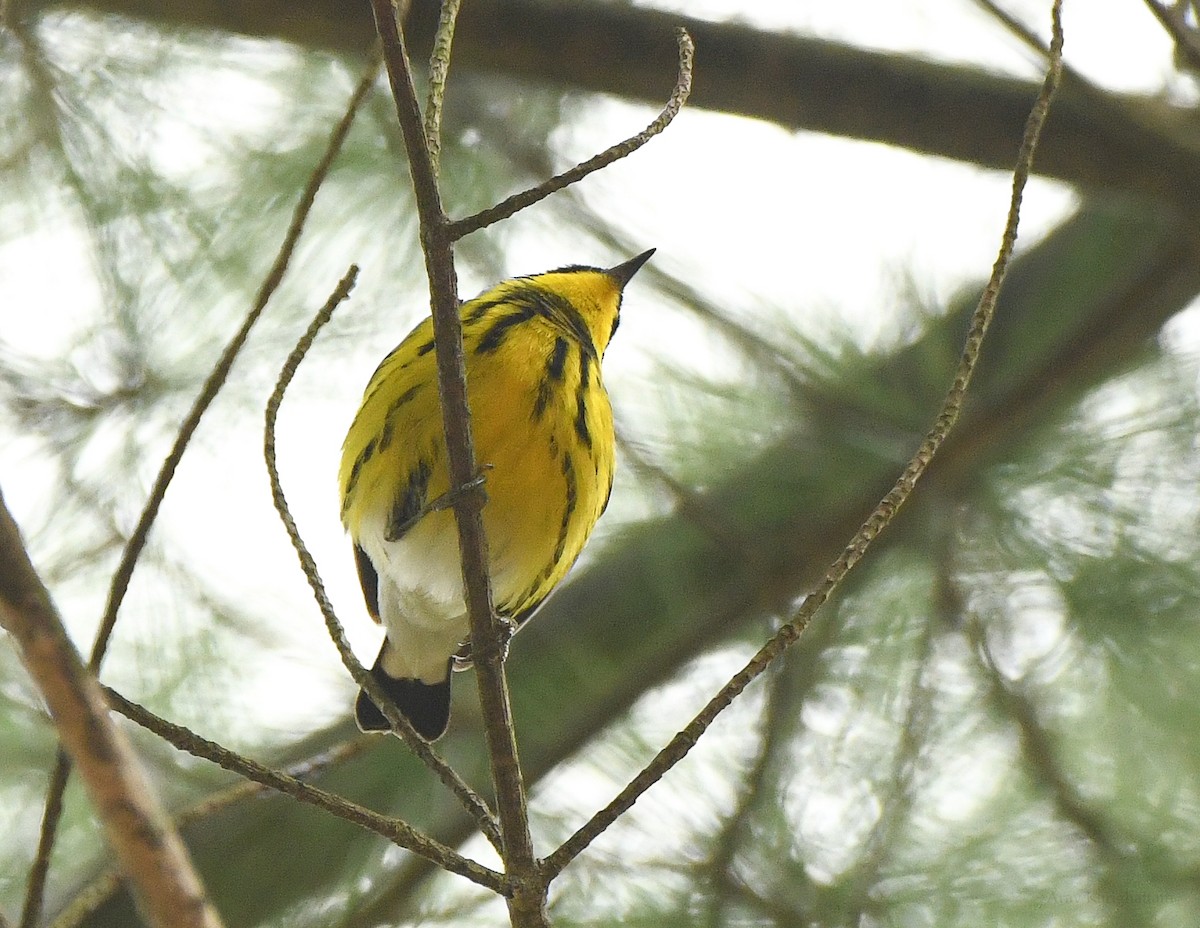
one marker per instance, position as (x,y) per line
(542,428)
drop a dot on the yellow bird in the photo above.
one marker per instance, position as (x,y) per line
(543,434)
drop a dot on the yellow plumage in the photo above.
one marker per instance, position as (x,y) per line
(543,434)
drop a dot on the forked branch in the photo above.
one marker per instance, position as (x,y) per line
(461,228)
(527,883)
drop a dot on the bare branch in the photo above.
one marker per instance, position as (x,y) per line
(165,886)
(527,899)
(141,532)
(519,201)
(883,513)
(395,830)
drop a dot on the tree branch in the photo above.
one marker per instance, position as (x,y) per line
(395,830)
(527,899)
(518,201)
(166,888)
(87,899)
(141,532)
(796,81)
(883,513)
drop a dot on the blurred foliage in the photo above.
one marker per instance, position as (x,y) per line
(995,721)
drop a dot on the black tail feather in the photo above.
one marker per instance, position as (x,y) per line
(425,705)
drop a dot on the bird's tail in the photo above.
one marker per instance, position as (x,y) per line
(425,705)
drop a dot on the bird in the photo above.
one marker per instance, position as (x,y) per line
(543,434)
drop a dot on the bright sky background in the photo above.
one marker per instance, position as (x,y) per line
(856,225)
(858,231)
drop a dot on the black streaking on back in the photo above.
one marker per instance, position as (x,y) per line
(555,368)
(581,398)
(494,334)
(409,503)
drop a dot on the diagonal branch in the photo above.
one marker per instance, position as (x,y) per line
(137,540)
(883,513)
(165,886)
(460,228)
(88,898)
(395,830)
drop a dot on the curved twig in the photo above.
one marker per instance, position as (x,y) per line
(395,830)
(461,228)
(470,800)
(35,885)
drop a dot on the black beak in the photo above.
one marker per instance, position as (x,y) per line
(622,273)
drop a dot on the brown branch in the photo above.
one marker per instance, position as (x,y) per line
(519,201)
(165,886)
(467,796)
(883,513)
(395,830)
(141,532)
(528,892)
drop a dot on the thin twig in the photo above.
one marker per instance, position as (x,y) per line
(119,585)
(35,883)
(164,883)
(883,513)
(216,379)
(461,228)
(526,901)
(395,830)
(439,69)
(469,799)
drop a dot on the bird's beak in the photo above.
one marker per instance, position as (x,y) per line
(622,273)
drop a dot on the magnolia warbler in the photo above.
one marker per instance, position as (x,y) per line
(543,433)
